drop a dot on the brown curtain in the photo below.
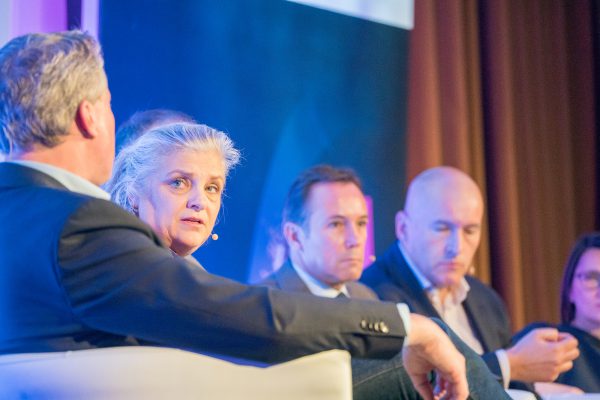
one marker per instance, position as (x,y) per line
(504,90)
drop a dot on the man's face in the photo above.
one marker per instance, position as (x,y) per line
(332,242)
(441,232)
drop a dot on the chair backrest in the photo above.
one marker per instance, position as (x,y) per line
(161,373)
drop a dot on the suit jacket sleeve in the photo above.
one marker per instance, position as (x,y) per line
(118,280)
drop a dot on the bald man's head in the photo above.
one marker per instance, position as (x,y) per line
(440,226)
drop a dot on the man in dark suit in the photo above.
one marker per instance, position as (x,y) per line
(325,228)
(78,272)
(438,233)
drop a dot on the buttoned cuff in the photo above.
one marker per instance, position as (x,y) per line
(504,366)
(404,312)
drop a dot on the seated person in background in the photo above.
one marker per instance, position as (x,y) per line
(438,233)
(325,228)
(580,312)
(79,272)
(144,121)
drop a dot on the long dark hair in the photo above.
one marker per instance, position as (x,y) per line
(587,241)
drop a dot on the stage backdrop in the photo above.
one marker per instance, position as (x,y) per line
(291,84)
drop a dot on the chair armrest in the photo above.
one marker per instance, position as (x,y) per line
(162,373)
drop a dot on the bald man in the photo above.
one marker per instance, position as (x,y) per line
(438,233)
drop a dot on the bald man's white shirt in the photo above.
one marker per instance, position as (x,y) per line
(453,313)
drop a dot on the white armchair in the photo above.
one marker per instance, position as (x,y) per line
(161,373)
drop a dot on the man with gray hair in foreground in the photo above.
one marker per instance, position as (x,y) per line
(97,276)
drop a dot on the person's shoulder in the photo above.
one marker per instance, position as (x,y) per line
(93,213)
(361,291)
(100,229)
(372,274)
(385,288)
(377,273)
(273,278)
(55,203)
(269,280)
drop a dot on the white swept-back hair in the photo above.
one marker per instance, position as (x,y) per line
(138,160)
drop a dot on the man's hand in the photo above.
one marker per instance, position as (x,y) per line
(541,355)
(429,348)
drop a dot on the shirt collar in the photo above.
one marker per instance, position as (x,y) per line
(459,294)
(317,287)
(69,180)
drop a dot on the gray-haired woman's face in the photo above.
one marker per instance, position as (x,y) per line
(182,198)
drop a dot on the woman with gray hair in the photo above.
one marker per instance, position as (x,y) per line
(173,178)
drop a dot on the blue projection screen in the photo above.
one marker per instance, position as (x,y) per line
(292,85)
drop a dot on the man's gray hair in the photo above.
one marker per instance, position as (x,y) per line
(43,79)
(139,159)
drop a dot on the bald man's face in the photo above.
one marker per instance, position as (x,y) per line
(441,229)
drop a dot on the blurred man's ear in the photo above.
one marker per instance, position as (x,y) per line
(401,221)
(85,118)
(294,236)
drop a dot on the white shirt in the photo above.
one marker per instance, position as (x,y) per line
(453,313)
(317,287)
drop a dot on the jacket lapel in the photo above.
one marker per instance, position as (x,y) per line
(288,280)
(476,312)
(402,276)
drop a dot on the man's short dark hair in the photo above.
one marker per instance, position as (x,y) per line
(295,204)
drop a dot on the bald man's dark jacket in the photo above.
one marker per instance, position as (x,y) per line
(393,280)
(80,273)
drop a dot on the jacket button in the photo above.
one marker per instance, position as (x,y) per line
(384,328)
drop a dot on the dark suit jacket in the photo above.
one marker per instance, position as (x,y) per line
(392,279)
(287,279)
(79,273)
